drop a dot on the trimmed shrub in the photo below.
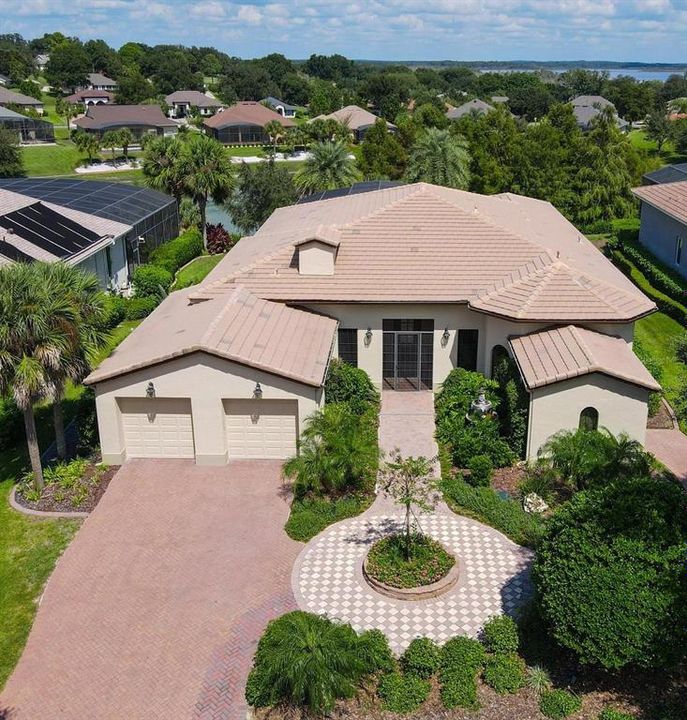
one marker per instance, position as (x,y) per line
(151,281)
(485,505)
(86,422)
(558,704)
(174,254)
(375,652)
(351,385)
(138,308)
(611,714)
(656,371)
(462,652)
(481,470)
(480,438)
(501,634)
(666,281)
(680,350)
(505,673)
(611,569)
(421,658)
(310,516)
(461,659)
(114,311)
(402,693)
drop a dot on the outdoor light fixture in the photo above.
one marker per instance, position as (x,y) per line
(257,393)
(368,336)
(150,390)
(445,337)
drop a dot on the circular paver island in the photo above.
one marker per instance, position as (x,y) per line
(493,579)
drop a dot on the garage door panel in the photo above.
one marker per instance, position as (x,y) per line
(261,428)
(157,427)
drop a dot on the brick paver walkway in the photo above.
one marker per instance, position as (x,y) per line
(406,422)
(155,609)
(670,447)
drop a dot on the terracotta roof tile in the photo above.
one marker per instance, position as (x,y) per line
(353,117)
(671,198)
(247,113)
(563,353)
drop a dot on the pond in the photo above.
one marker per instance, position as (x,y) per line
(217,214)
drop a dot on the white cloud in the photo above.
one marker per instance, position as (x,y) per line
(249,14)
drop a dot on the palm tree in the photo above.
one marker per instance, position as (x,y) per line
(33,344)
(206,172)
(161,166)
(87,143)
(327,168)
(126,137)
(439,158)
(275,131)
(86,332)
(112,141)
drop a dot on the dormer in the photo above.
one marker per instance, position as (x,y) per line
(317,255)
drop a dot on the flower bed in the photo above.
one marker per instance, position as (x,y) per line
(429,562)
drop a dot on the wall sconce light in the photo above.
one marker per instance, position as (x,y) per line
(446,336)
(150,390)
(368,336)
(257,393)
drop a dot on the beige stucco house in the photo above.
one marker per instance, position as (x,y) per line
(407,283)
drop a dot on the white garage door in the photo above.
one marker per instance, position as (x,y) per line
(261,428)
(157,427)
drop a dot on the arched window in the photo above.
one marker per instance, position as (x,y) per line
(589,419)
(498,353)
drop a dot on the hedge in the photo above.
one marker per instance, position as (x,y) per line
(176,253)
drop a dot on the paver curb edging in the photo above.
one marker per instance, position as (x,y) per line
(42,513)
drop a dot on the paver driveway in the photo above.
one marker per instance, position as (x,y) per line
(155,608)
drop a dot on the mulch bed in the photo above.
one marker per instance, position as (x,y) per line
(661,420)
(48,502)
(508,479)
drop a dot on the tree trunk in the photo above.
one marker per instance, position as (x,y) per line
(202,206)
(408,531)
(58,419)
(34,450)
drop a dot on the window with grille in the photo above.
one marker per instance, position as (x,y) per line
(348,346)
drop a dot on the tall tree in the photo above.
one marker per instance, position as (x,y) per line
(112,140)
(88,143)
(440,158)
(658,127)
(133,88)
(275,132)
(161,167)
(11,158)
(327,168)
(260,190)
(381,154)
(68,66)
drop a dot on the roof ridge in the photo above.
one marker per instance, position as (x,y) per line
(228,303)
(591,359)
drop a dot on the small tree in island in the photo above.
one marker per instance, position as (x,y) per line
(409,481)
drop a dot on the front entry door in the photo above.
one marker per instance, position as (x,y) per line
(407,354)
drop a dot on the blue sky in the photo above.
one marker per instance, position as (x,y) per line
(643,30)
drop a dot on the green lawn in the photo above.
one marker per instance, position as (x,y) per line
(668,155)
(195,271)
(60,159)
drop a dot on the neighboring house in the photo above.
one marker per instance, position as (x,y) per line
(284,109)
(406,283)
(243,124)
(98,81)
(10,97)
(140,119)
(663,228)
(4,80)
(666,174)
(358,120)
(476,106)
(181,102)
(587,107)
(103,227)
(90,97)
(41,61)
(27,129)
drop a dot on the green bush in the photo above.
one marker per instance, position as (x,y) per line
(680,349)
(114,311)
(461,659)
(11,424)
(505,673)
(611,569)
(138,308)
(421,658)
(151,281)
(402,693)
(481,470)
(351,385)
(501,634)
(541,479)
(176,253)
(654,367)
(660,277)
(485,505)
(306,661)
(480,437)
(375,652)
(558,704)
(86,422)
(462,651)
(514,403)
(310,516)
(611,714)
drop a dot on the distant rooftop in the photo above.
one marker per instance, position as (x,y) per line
(670,198)
(10,97)
(246,113)
(100,79)
(476,105)
(192,97)
(667,174)
(361,187)
(353,117)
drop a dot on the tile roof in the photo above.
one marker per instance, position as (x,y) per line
(353,117)
(246,113)
(563,353)
(591,101)
(274,102)
(670,197)
(81,95)
(476,105)
(241,327)
(100,79)
(503,254)
(666,174)
(10,97)
(101,117)
(194,97)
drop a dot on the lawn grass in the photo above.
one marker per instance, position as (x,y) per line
(48,160)
(668,154)
(195,271)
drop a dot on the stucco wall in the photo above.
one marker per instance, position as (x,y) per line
(206,380)
(622,407)
(658,232)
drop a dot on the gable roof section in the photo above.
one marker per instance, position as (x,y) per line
(246,113)
(100,117)
(591,101)
(558,354)
(670,198)
(424,243)
(10,97)
(353,117)
(100,79)
(476,105)
(240,327)
(82,95)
